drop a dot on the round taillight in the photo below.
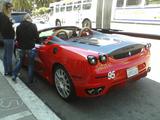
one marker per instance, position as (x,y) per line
(102,58)
(92,59)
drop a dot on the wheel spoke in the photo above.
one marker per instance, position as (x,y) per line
(62,83)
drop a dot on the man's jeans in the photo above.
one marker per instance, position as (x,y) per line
(7,57)
(31,55)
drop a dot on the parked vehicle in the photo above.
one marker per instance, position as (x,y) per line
(87,63)
(82,13)
(136,16)
(17,17)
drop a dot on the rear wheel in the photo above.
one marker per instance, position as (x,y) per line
(63,83)
(58,23)
(87,23)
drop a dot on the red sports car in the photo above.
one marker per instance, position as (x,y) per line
(87,63)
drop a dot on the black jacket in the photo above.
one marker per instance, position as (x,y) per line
(6,28)
(26,35)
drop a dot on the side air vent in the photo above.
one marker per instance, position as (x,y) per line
(127,51)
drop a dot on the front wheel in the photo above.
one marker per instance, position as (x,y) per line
(63,83)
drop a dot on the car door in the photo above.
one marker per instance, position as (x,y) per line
(42,64)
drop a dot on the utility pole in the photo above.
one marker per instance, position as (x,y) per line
(104,10)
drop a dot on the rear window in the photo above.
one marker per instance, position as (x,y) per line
(18,17)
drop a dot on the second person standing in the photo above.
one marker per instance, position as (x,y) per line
(26,35)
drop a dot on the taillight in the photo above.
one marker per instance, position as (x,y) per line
(103,58)
(92,59)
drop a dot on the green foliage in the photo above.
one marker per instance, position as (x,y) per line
(40,11)
(43,10)
(29,5)
(152,2)
(22,5)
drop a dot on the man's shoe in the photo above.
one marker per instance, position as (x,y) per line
(8,74)
(14,79)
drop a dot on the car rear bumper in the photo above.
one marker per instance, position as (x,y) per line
(100,88)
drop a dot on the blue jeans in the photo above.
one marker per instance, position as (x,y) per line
(8,53)
(31,55)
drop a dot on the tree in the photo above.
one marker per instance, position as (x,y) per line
(28,5)
(22,5)
(44,3)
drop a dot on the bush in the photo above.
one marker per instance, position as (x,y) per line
(40,11)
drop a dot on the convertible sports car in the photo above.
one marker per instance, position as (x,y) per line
(87,63)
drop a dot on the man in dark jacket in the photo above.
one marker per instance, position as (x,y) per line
(26,35)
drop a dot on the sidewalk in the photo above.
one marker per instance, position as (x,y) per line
(18,102)
(11,105)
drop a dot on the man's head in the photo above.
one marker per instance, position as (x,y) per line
(27,17)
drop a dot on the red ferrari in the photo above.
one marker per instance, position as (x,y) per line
(87,63)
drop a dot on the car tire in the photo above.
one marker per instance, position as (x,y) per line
(58,23)
(63,84)
(87,23)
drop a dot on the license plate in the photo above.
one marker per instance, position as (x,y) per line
(132,71)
